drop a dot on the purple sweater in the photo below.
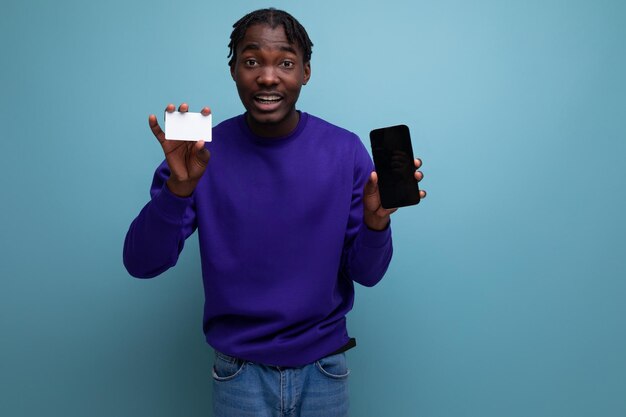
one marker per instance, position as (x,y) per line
(281,236)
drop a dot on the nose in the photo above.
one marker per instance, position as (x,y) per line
(268,76)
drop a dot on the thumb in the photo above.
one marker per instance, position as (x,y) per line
(371,187)
(202,153)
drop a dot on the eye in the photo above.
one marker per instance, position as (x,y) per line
(287,64)
(250,62)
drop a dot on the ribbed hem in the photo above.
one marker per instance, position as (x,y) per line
(170,205)
(374,238)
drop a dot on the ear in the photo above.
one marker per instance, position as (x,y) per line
(232,71)
(307,72)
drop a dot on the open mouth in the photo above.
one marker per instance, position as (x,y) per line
(267,98)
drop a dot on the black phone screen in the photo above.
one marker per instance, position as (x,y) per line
(393,158)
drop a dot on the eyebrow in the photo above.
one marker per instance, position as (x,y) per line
(256,47)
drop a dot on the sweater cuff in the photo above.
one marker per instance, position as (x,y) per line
(374,238)
(170,205)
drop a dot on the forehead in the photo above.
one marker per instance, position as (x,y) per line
(264,37)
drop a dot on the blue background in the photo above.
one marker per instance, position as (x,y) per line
(506,295)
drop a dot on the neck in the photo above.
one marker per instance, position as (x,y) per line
(274,130)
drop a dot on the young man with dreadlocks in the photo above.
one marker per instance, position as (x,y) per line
(288,217)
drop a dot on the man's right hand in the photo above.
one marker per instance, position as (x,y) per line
(186,160)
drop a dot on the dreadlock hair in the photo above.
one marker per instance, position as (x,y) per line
(272,17)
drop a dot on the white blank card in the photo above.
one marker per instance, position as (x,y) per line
(188,126)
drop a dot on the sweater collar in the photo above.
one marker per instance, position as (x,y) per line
(273,141)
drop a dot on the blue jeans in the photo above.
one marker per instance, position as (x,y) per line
(247,389)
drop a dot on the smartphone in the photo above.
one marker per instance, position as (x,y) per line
(393,159)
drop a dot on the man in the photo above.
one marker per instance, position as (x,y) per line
(288,217)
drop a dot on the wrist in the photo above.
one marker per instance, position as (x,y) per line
(181,189)
(377,223)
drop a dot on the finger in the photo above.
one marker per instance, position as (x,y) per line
(418,163)
(156,129)
(183,108)
(419,175)
(170,108)
(385,212)
(422,194)
(205,111)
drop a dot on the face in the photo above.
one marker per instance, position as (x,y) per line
(269,73)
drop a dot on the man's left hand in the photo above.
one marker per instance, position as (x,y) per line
(374,215)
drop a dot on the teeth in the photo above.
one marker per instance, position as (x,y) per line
(268,98)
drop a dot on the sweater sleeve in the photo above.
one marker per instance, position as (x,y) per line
(157,235)
(367,253)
